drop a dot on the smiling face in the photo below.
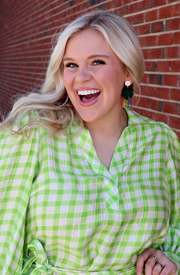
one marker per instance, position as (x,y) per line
(93,76)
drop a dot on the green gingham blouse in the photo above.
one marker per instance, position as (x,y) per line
(70,215)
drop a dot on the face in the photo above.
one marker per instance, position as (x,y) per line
(93,76)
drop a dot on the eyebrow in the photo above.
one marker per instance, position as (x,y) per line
(89,57)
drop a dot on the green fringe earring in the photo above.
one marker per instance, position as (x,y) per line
(127,94)
(68,103)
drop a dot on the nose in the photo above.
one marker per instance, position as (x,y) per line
(83,74)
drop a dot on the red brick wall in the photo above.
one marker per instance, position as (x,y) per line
(27,28)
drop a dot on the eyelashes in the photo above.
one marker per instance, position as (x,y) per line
(98,62)
(95,63)
(71,65)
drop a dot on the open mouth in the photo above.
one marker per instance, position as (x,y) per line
(88,97)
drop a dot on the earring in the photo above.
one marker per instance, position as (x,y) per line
(127,94)
(68,103)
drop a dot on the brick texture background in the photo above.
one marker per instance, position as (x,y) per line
(27,28)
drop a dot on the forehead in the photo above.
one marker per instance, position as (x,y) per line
(86,40)
(88,33)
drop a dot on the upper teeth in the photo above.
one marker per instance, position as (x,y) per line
(88,92)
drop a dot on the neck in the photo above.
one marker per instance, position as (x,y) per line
(108,128)
(105,135)
(108,131)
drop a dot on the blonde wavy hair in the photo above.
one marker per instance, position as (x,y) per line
(49,105)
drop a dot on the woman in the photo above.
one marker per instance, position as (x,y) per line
(87,186)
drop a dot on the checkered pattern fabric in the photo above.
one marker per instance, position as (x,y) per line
(69,214)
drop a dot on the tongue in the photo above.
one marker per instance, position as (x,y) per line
(88,98)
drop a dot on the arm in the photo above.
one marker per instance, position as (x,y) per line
(18,163)
(171,246)
(169,252)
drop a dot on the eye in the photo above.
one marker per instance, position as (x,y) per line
(98,62)
(70,65)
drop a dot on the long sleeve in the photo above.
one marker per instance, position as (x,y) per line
(171,246)
(18,165)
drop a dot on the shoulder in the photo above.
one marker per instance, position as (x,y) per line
(22,127)
(146,123)
(150,128)
(27,141)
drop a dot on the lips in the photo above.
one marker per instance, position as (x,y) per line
(88,97)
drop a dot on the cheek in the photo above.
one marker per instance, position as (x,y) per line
(110,76)
(67,79)
(103,77)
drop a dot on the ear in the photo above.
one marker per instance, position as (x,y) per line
(128,77)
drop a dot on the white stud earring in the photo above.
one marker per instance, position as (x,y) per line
(128,83)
